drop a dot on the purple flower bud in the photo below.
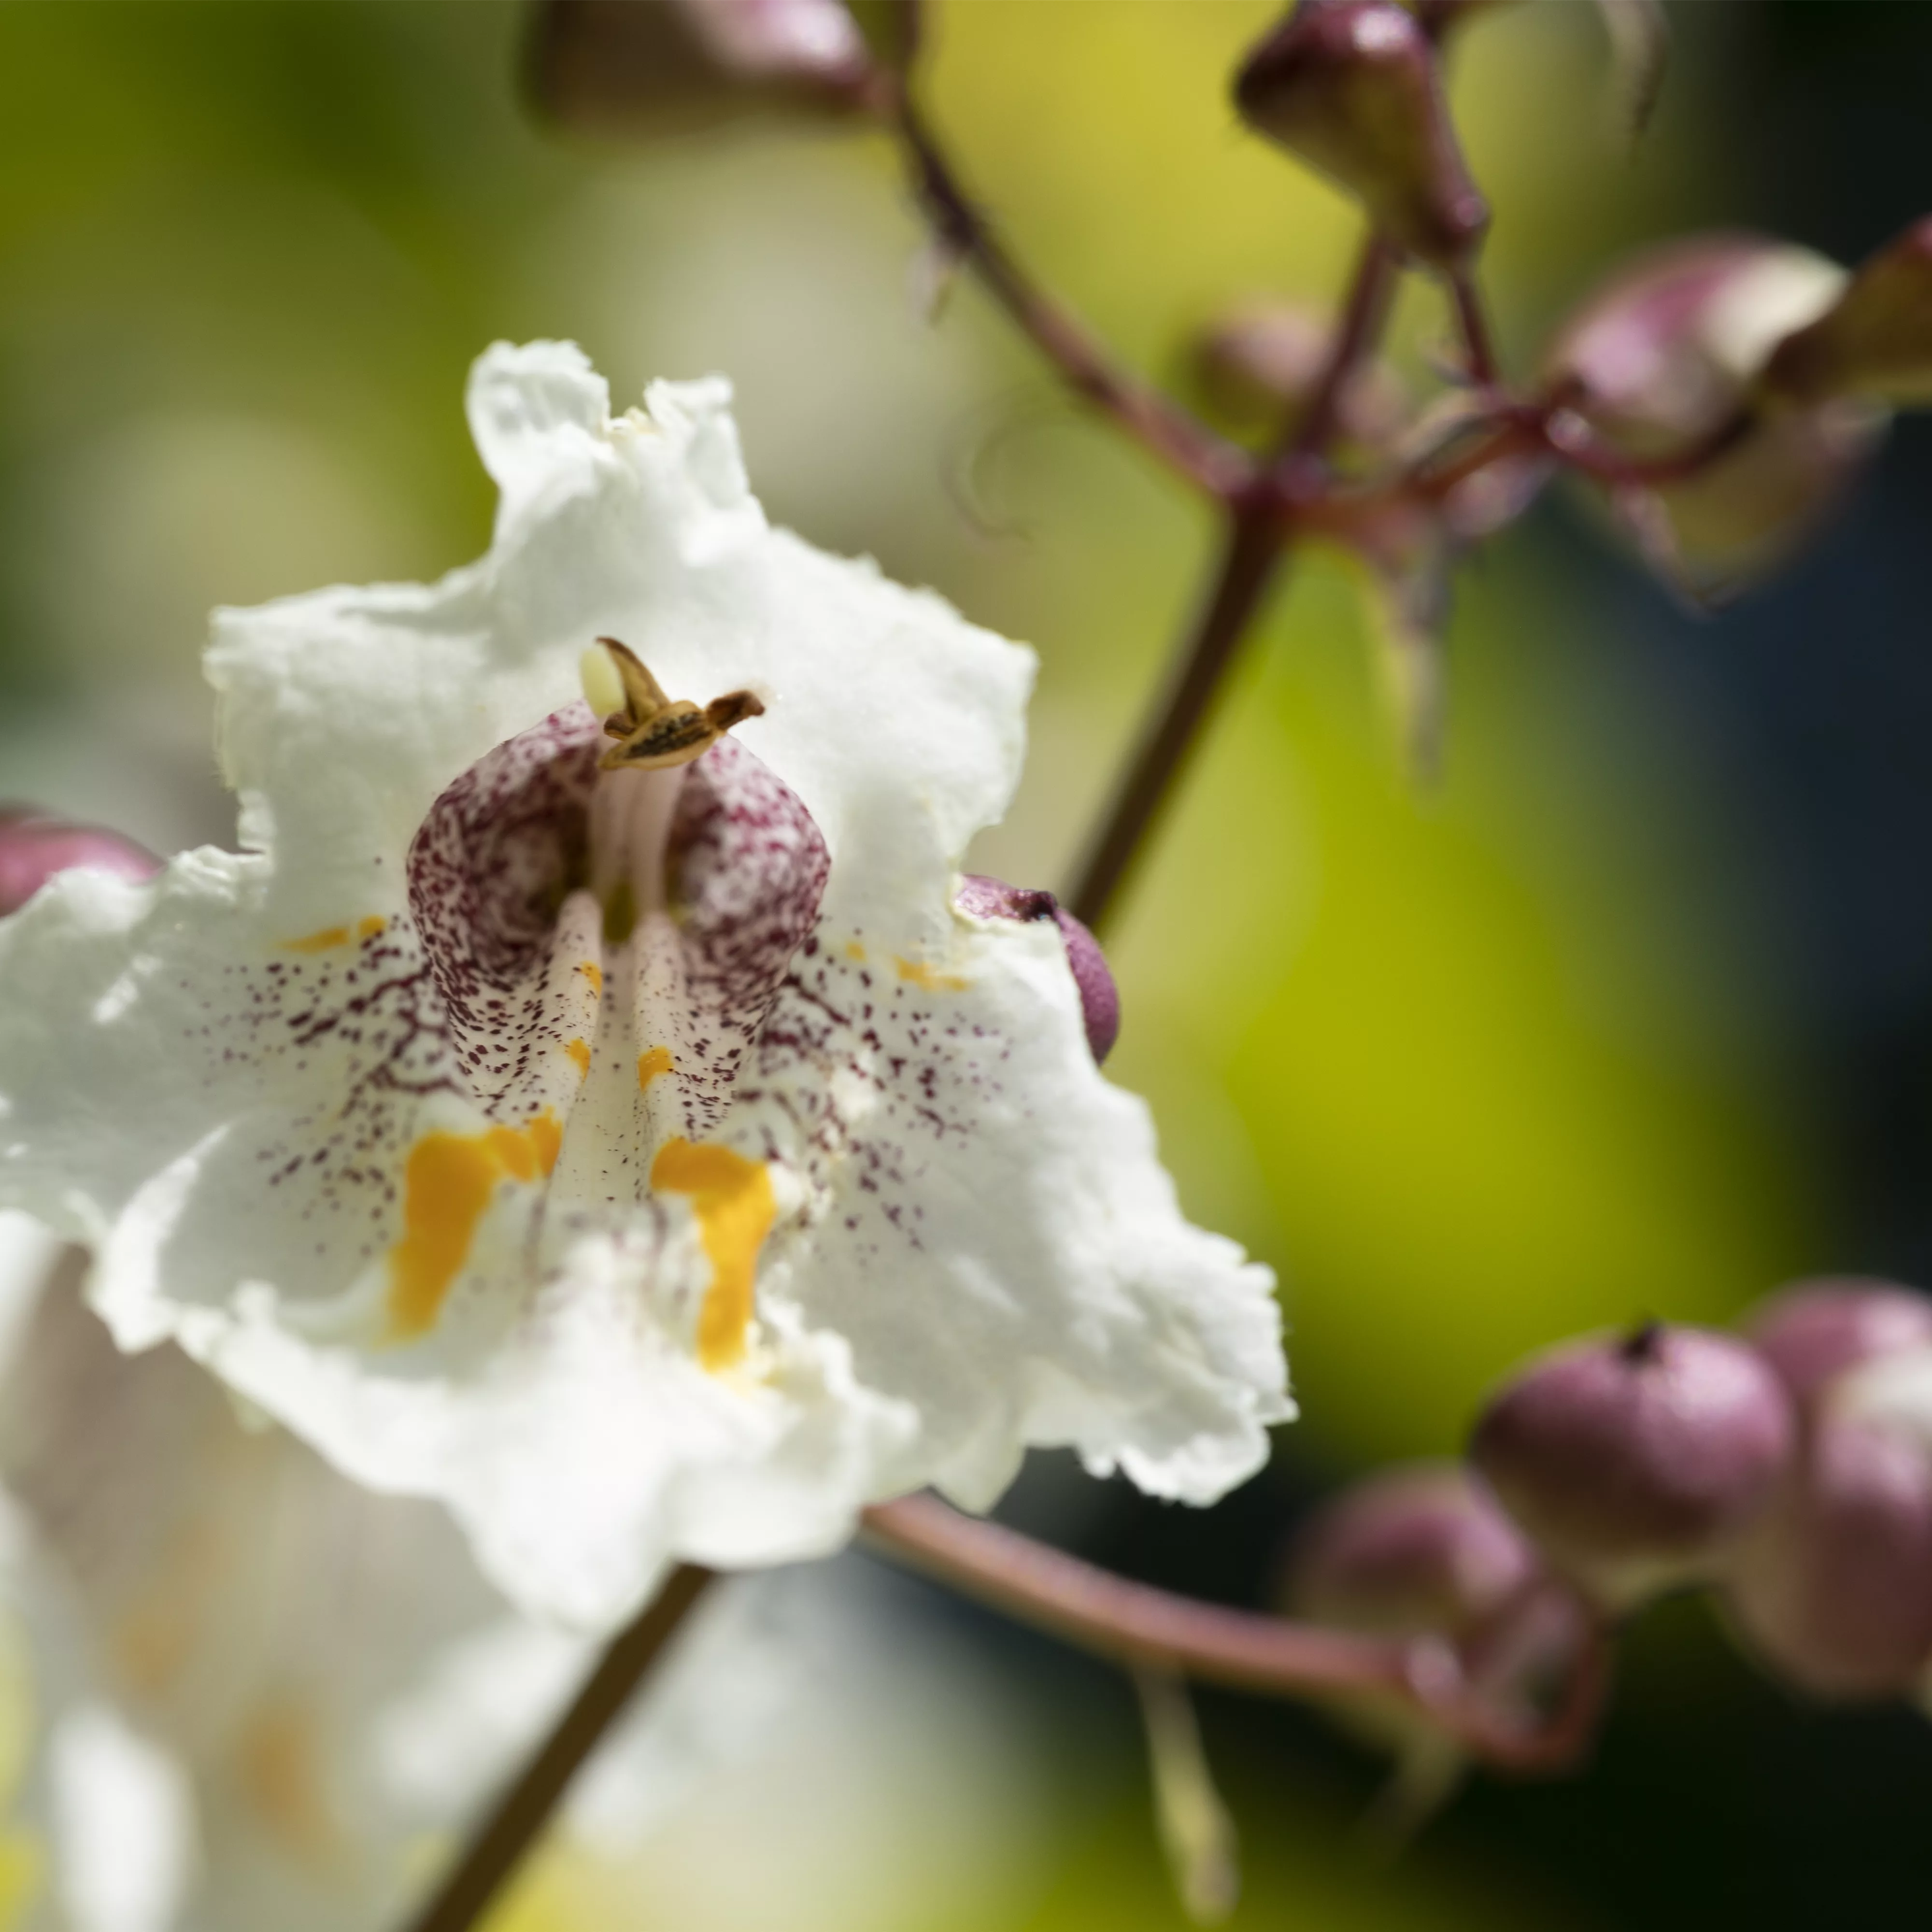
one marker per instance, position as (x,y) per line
(1812,1331)
(1832,1587)
(1255,366)
(1875,340)
(1099,998)
(1633,1463)
(33,849)
(643,67)
(1666,353)
(1351,87)
(1416,1549)
(1422,1552)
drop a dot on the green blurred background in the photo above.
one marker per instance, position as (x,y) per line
(1628,1018)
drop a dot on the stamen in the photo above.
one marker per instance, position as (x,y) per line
(654,731)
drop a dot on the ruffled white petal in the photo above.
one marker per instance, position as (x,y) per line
(237,1693)
(648,1165)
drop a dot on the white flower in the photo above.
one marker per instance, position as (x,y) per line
(239,1693)
(94,1822)
(648,1164)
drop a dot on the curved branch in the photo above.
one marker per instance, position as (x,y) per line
(1140,1626)
(1154,420)
(500,1844)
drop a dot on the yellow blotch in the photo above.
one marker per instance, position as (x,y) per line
(579,1051)
(854,951)
(281,1773)
(917,972)
(373,927)
(651,1064)
(329,937)
(595,974)
(732,1198)
(447,1183)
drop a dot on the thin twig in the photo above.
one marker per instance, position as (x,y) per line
(1249,560)
(1261,525)
(1153,419)
(1472,319)
(1141,1626)
(1372,285)
(500,1843)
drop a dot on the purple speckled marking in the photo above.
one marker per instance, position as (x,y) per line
(488,875)
(788,1041)
(746,869)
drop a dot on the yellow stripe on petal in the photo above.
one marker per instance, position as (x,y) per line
(447,1184)
(651,1064)
(732,1198)
(917,972)
(579,1051)
(328,938)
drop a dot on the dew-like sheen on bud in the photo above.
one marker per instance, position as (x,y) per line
(1351,87)
(643,67)
(1633,1463)
(1410,1551)
(1832,1586)
(33,849)
(1876,339)
(1099,998)
(1813,1331)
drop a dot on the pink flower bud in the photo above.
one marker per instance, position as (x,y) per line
(1099,998)
(1413,1550)
(1256,365)
(643,67)
(1351,87)
(1832,1587)
(1634,1463)
(1668,352)
(1812,1331)
(1875,340)
(1424,1551)
(33,849)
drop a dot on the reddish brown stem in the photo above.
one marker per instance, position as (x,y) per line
(499,1846)
(1138,1625)
(1153,420)
(1249,559)
(1365,314)
(1262,522)
(1473,320)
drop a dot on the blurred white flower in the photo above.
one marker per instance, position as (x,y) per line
(647,1163)
(238,1692)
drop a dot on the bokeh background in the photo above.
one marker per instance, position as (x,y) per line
(1633,1016)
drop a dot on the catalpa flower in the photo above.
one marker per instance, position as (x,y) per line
(240,1693)
(603,1117)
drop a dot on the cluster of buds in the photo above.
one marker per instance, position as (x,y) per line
(1425,1551)
(1787,1468)
(1758,1464)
